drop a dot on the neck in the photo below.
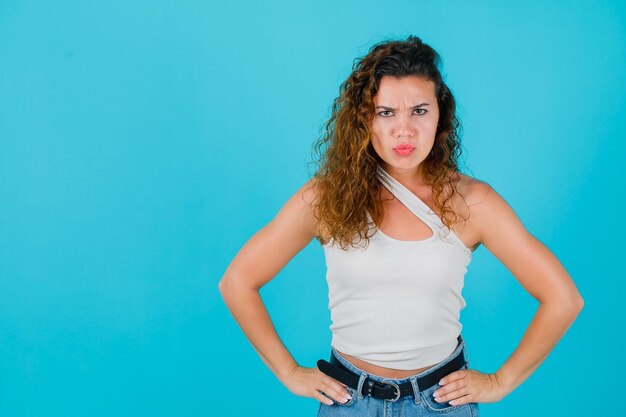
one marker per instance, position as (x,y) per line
(410,178)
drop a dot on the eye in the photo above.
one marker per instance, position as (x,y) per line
(424,110)
(384,111)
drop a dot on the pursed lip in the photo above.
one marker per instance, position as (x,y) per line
(404,146)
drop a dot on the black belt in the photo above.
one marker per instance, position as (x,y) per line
(388,390)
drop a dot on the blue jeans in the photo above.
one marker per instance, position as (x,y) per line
(421,403)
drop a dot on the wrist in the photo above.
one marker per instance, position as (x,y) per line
(504,386)
(288,373)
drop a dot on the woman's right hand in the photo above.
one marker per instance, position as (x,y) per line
(308,382)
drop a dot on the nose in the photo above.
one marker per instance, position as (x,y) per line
(403,126)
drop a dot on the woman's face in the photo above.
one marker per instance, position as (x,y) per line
(405,122)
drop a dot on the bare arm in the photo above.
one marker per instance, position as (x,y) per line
(259,261)
(541,274)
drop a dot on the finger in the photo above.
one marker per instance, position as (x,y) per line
(452,395)
(462,400)
(322,398)
(335,386)
(453,376)
(341,396)
(450,387)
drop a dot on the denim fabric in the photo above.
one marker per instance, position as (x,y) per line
(421,403)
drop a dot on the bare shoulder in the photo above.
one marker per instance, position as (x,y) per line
(469,194)
(471,191)
(489,212)
(482,198)
(304,199)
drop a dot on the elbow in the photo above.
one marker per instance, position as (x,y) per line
(579,303)
(576,301)
(575,304)
(571,304)
(222,286)
(230,283)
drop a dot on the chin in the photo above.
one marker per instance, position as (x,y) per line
(402,164)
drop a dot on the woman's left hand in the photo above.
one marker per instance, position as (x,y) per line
(469,386)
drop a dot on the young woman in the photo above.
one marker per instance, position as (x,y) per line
(398,223)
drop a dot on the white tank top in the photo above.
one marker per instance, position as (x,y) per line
(397,303)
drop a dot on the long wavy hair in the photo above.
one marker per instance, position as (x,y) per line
(346,181)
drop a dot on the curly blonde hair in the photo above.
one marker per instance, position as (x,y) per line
(346,181)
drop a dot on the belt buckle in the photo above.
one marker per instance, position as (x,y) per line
(397,387)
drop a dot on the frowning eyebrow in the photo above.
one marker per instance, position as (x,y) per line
(391,108)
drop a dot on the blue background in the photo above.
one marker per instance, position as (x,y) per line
(143,142)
